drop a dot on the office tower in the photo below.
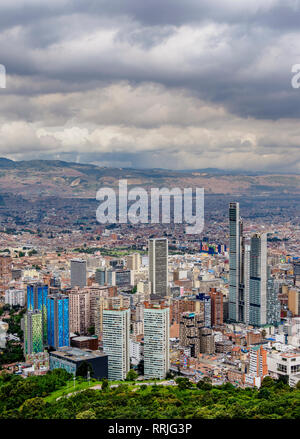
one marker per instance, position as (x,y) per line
(119,278)
(158,267)
(37,300)
(134,261)
(156,341)
(189,331)
(294,301)
(79,314)
(258,280)
(100,276)
(204,298)
(207,341)
(78,273)
(184,304)
(109,302)
(33,333)
(116,328)
(216,307)
(258,361)
(58,320)
(236,299)
(14,297)
(273,303)
(5,271)
(296,268)
(246,282)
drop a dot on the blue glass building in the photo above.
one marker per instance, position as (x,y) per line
(37,300)
(58,320)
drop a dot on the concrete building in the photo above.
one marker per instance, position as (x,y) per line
(134,261)
(207,341)
(283,364)
(216,307)
(78,273)
(14,297)
(189,331)
(116,329)
(80,311)
(156,341)
(158,267)
(294,301)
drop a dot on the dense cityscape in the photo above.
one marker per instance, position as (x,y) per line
(167,310)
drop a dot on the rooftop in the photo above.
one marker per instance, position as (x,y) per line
(76,354)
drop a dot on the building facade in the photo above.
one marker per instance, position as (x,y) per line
(158,267)
(58,320)
(78,273)
(33,332)
(156,341)
(115,337)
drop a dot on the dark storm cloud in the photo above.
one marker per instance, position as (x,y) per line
(230,59)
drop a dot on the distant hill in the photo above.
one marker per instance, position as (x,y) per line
(35,178)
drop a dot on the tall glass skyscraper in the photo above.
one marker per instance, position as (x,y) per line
(58,320)
(236,300)
(37,300)
(258,280)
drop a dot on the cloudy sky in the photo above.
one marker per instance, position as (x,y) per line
(178,84)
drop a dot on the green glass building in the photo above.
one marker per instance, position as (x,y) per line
(33,332)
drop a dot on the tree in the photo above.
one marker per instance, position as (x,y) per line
(264,393)
(105,384)
(267,382)
(87,414)
(204,384)
(183,383)
(91,330)
(33,408)
(132,375)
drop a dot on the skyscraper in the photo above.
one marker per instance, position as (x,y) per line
(158,267)
(33,332)
(189,331)
(58,320)
(78,273)
(206,299)
(116,328)
(258,280)
(236,305)
(216,307)
(156,341)
(37,300)
(79,311)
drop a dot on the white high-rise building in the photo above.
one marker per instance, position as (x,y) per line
(158,266)
(156,341)
(116,328)
(15,297)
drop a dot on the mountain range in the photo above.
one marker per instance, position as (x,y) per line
(42,178)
